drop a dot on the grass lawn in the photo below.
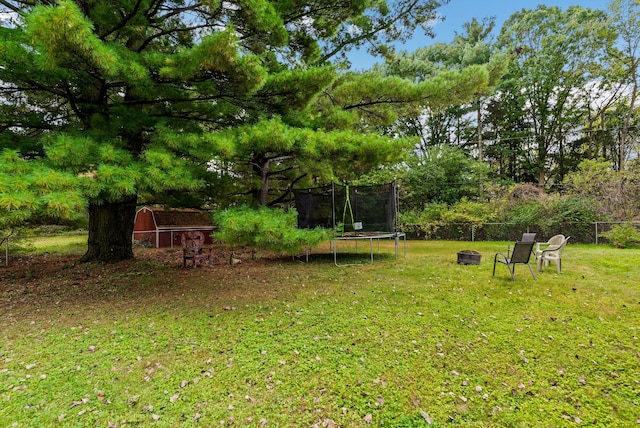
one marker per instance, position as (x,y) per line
(421,341)
(61,245)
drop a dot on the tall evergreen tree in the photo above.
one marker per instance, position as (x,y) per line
(95,96)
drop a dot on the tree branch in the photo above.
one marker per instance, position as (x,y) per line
(286,193)
(124,21)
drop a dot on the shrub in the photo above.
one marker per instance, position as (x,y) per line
(623,236)
(616,192)
(466,211)
(529,213)
(424,223)
(446,174)
(265,229)
(570,215)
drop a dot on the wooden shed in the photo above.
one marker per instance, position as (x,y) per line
(163,227)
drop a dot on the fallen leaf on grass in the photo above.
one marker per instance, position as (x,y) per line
(174,398)
(368,418)
(426,417)
(77,403)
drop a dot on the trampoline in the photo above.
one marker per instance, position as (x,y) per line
(353,213)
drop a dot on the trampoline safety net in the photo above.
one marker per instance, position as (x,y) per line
(359,208)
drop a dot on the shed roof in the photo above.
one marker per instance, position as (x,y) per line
(180,217)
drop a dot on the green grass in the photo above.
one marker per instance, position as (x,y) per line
(421,341)
(60,244)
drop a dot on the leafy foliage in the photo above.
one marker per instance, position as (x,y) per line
(554,53)
(265,229)
(623,236)
(615,193)
(29,188)
(522,206)
(466,211)
(446,174)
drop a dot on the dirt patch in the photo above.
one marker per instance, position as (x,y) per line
(40,282)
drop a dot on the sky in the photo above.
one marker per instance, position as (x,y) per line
(458,12)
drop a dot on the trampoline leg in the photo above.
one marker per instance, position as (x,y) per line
(371,248)
(396,240)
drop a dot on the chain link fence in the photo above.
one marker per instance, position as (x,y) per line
(584,233)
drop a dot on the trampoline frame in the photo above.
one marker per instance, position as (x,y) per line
(396,236)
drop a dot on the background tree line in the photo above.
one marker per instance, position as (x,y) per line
(559,112)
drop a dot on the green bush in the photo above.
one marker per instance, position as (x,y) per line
(426,223)
(529,213)
(573,209)
(466,211)
(623,236)
(265,229)
(422,223)
(446,174)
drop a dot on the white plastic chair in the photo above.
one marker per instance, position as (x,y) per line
(551,251)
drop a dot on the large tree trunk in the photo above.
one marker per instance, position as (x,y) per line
(110,231)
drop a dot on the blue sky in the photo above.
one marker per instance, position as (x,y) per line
(457,12)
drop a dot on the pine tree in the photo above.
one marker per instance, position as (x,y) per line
(95,96)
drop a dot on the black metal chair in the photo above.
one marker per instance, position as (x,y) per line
(528,237)
(521,254)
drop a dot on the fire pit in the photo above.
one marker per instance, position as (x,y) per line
(468,257)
